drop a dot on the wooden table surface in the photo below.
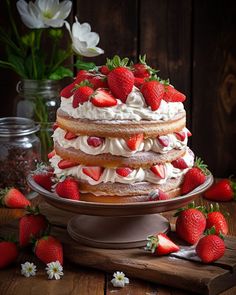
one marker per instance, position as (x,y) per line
(78,280)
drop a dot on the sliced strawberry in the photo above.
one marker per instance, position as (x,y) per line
(161,245)
(93,172)
(134,142)
(164,140)
(51,154)
(188,133)
(64,164)
(95,141)
(67,92)
(158,195)
(159,170)
(124,171)
(181,135)
(179,163)
(102,98)
(173,95)
(81,95)
(70,135)
(55,126)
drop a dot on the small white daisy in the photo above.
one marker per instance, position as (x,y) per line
(119,280)
(54,270)
(28,269)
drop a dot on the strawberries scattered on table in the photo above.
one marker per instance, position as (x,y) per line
(13,198)
(217,220)
(190,223)
(32,226)
(224,190)
(49,249)
(161,244)
(8,253)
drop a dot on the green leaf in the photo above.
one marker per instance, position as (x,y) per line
(60,73)
(82,65)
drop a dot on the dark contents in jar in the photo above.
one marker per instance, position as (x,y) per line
(15,165)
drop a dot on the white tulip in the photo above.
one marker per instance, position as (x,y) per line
(83,40)
(44,13)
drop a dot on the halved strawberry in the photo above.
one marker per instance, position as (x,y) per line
(67,92)
(123,171)
(70,135)
(55,126)
(173,95)
(93,172)
(51,154)
(64,164)
(102,98)
(181,135)
(95,141)
(134,141)
(159,170)
(164,140)
(81,95)
(160,244)
(179,163)
(158,195)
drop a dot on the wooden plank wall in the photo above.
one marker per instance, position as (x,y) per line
(193,42)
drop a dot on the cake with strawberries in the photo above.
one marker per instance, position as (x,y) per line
(121,134)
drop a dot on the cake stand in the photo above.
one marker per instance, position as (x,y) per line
(120,225)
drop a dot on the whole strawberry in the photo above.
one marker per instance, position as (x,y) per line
(32,226)
(194,177)
(153,92)
(82,94)
(8,253)
(173,95)
(43,176)
(224,190)
(217,220)
(210,248)
(120,78)
(160,245)
(190,224)
(49,249)
(13,198)
(68,188)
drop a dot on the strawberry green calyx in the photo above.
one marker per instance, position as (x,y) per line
(233,187)
(152,244)
(83,83)
(200,164)
(3,192)
(116,62)
(32,210)
(212,231)
(142,60)
(191,206)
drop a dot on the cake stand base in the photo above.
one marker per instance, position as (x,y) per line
(116,232)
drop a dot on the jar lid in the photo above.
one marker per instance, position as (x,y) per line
(17,126)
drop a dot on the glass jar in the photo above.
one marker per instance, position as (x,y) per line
(39,100)
(19,151)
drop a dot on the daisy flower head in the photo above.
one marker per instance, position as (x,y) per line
(54,270)
(119,280)
(28,269)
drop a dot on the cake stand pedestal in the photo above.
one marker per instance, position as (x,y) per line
(116,232)
(121,225)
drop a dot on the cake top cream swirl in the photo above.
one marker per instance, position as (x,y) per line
(135,109)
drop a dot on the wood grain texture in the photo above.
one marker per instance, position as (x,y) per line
(214,85)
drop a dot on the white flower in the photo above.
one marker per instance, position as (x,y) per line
(54,269)
(28,269)
(44,13)
(119,279)
(83,40)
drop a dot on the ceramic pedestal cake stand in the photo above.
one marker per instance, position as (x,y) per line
(125,225)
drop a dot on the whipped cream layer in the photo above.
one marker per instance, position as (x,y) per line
(136,176)
(135,109)
(118,146)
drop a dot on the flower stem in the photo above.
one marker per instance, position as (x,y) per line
(13,23)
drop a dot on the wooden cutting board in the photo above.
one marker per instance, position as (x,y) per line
(171,271)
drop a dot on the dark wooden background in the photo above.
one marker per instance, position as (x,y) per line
(192,42)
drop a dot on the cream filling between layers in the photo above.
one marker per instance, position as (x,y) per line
(136,176)
(135,109)
(118,146)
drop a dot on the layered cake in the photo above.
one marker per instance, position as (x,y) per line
(121,132)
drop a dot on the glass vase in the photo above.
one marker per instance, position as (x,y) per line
(39,100)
